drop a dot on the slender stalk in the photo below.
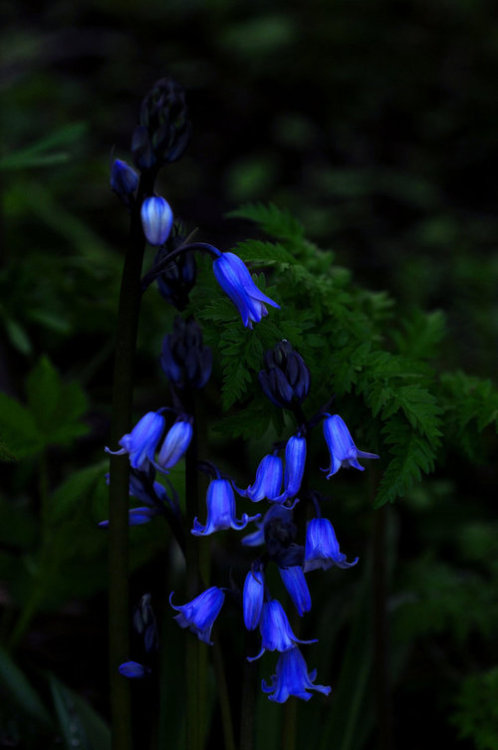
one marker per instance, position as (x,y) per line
(221,684)
(380,626)
(126,335)
(248,708)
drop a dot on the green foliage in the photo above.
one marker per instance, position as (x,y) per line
(477,713)
(80,725)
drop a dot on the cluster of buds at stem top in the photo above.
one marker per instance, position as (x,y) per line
(286,378)
(185,361)
(178,276)
(164,129)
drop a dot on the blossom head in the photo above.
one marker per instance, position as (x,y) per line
(295,583)
(343,451)
(295,460)
(286,378)
(276,632)
(157,220)
(221,510)
(141,442)
(199,614)
(124,180)
(322,548)
(236,281)
(175,444)
(268,480)
(292,678)
(252,598)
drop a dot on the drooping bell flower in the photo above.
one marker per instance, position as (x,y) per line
(343,451)
(295,460)
(292,678)
(268,480)
(295,583)
(252,598)
(175,444)
(322,548)
(199,614)
(221,510)
(234,278)
(141,442)
(276,632)
(157,220)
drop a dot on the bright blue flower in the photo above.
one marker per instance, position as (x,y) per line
(275,512)
(268,480)
(221,510)
(343,451)
(295,583)
(276,632)
(236,281)
(141,442)
(136,517)
(157,220)
(252,598)
(124,179)
(199,614)
(133,670)
(295,460)
(175,444)
(322,548)
(292,678)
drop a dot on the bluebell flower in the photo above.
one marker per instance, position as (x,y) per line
(199,614)
(136,517)
(157,220)
(343,451)
(175,444)
(276,632)
(141,442)
(295,460)
(221,510)
(133,670)
(295,583)
(252,598)
(322,548)
(268,480)
(124,179)
(275,513)
(292,678)
(236,281)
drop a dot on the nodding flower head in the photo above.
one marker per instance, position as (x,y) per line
(343,451)
(199,614)
(252,598)
(124,180)
(295,583)
(295,460)
(322,548)
(221,510)
(292,678)
(157,220)
(175,444)
(141,442)
(286,378)
(236,281)
(276,632)
(268,480)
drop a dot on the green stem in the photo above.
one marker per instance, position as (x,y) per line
(122,393)
(221,685)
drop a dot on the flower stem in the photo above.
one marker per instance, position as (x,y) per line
(122,393)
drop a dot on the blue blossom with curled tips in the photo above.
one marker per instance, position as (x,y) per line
(141,442)
(221,510)
(234,278)
(276,632)
(199,614)
(322,548)
(252,598)
(343,451)
(292,678)
(157,220)
(295,583)
(133,670)
(268,480)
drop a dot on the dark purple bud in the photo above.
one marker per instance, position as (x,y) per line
(185,361)
(124,180)
(285,379)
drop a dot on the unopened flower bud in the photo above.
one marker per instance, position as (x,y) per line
(157,220)
(286,378)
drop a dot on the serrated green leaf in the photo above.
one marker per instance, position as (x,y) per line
(278,223)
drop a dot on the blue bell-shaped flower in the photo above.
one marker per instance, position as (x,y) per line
(252,598)
(199,614)
(292,678)
(157,220)
(141,442)
(322,548)
(295,583)
(221,510)
(175,444)
(276,632)
(295,460)
(268,480)
(343,451)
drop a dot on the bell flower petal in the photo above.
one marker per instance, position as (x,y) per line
(343,451)
(221,510)
(322,548)
(292,678)
(199,614)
